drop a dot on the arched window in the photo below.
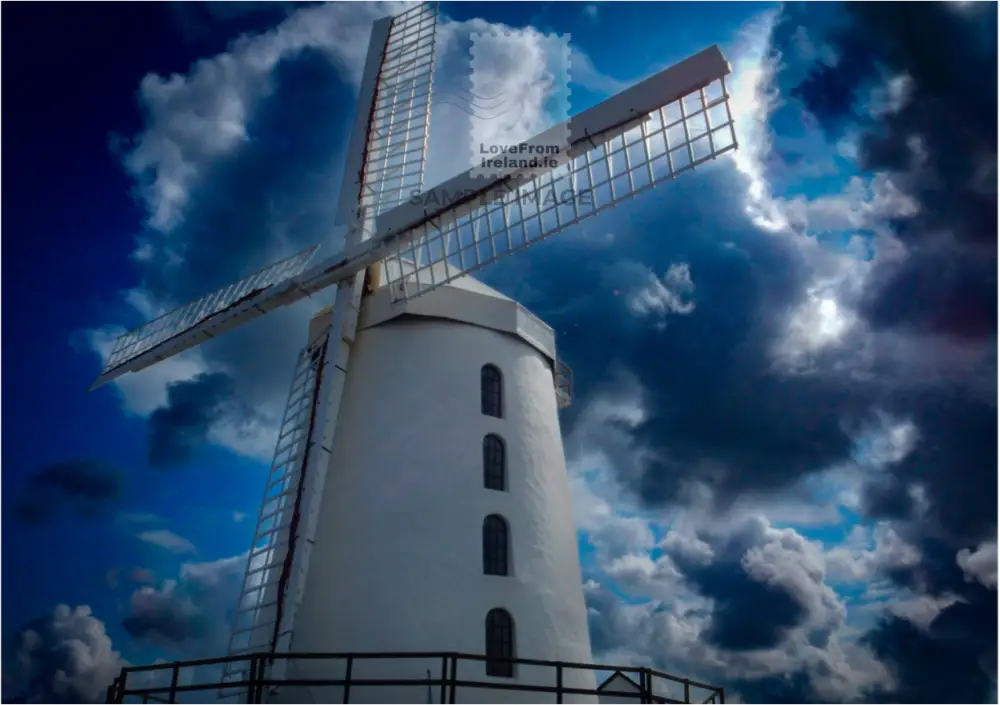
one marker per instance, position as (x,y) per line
(494,463)
(499,643)
(496,545)
(492,391)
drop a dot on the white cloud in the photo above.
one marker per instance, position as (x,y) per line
(167,540)
(667,623)
(869,553)
(67,657)
(197,118)
(666,296)
(980,564)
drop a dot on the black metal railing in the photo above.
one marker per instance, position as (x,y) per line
(641,683)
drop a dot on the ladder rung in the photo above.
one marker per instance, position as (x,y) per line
(283,493)
(274,512)
(250,629)
(294,461)
(267,565)
(252,594)
(255,647)
(243,610)
(254,552)
(265,534)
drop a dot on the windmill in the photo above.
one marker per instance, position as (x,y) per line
(379,530)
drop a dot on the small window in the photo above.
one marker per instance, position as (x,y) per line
(495,545)
(492,391)
(494,463)
(499,643)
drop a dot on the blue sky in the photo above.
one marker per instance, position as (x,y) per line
(782,445)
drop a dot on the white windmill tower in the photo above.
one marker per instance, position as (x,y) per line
(421,502)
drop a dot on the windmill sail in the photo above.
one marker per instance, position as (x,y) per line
(671,123)
(187,326)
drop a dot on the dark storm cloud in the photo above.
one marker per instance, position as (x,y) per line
(738,595)
(271,197)
(933,669)
(754,608)
(199,22)
(179,428)
(790,688)
(719,410)
(189,616)
(947,284)
(940,148)
(88,486)
(164,619)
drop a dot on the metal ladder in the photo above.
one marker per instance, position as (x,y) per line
(278,560)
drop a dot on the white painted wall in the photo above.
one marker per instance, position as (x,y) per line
(619,684)
(397,564)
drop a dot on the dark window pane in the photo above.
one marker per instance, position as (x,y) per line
(492,391)
(494,465)
(499,643)
(495,546)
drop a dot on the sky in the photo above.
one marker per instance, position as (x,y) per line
(782,444)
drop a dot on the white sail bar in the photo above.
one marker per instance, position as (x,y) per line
(189,325)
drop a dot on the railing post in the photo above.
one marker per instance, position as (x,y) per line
(347,679)
(120,695)
(647,689)
(174,677)
(110,696)
(687,690)
(444,677)
(453,678)
(722,695)
(559,683)
(251,678)
(262,665)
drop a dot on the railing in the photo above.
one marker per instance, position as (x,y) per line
(564,384)
(643,682)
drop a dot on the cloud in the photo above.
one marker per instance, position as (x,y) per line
(188,616)
(666,296)
(744,605)
(65,657)
(980,564)
(167,540)
(87,486)
(195,410)
(774,575)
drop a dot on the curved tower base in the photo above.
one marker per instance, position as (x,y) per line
(398,561)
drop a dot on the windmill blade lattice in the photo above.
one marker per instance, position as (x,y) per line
(396,151)
(505,218)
